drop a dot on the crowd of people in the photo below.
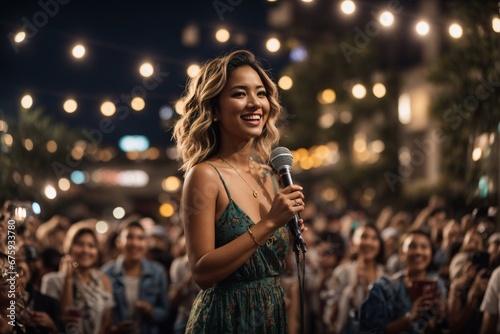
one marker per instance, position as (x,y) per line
(229,267)
(363,274)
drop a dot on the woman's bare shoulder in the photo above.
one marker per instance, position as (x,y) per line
(203,175)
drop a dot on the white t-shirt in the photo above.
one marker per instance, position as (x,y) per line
(491,299)
(131,294)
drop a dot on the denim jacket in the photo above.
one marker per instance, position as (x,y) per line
(389,300)
(152,288)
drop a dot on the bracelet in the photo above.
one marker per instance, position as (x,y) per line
(253,237)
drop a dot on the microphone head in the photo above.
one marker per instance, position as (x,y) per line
(281,158)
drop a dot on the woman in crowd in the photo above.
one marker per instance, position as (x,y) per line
(139,285)
(233,213)
(83,291)
(394,305)
(349,283)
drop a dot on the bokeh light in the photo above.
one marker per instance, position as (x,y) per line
(495,24)
(101,227)
(348,7)
(222,35)
(118,212)
(78,51)
(422,28)
(167,210)
(455,30)
(108,108)
(193,70)
(70,106)
(285,82)
(358,91)
(20,37)
(64,184)
(386,19)
(379,90)
(146,70)
(273,44)
(26,101)
(50,192)
(137,103)
(51,146)
(171,184)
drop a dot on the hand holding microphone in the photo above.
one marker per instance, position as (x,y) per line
(281,160)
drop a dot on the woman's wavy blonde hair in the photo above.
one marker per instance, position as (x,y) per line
(196,134)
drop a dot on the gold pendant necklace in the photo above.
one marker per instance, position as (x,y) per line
(254,191)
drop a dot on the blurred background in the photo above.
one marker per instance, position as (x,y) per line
(389,102)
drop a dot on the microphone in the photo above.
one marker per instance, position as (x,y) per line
(281,160)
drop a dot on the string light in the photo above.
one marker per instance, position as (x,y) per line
(422,28)
(108,108)
(455,30)
(358,91)
(193,70)
(20,37)
(70,106)
(138,103)
(222,35)
(386,19)
(348,7)
(146,70)
(26,101)
(78,51)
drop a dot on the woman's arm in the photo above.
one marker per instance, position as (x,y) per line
(66,299)
(210,265)
(489,324)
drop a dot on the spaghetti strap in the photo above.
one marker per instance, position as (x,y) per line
(223,183)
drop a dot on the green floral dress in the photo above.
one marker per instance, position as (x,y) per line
(251,300)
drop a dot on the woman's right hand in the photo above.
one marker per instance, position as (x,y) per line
(286,204)
(67,266)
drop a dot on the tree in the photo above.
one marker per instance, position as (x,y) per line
(26,165)
(467,106)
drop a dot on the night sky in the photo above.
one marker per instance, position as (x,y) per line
(119,36)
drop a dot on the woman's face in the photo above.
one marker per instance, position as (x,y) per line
(416,253)
(84,251)
(132,243)
(367,243)
(243,105)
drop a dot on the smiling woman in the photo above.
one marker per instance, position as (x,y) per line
(411,301)
(233,213)
(84,292)
(349,283)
